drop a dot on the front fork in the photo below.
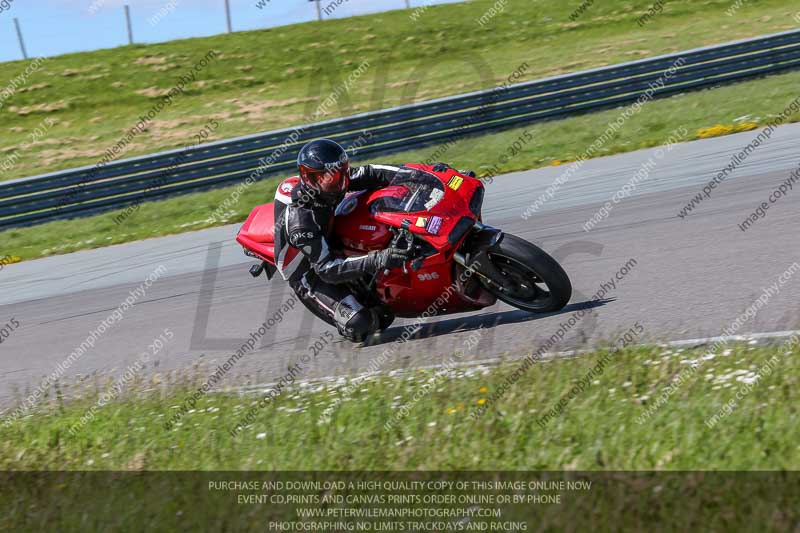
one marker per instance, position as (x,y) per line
(474,254)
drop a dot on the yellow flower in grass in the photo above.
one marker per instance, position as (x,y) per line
(451,411)
(482,401)
(715,131)
(483,390)
(746,126)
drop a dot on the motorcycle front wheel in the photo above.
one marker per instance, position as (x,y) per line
(532,280)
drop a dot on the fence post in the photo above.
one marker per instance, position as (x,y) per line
(21,41)
(408,4)
(128,23)
(319,10)
(228,15)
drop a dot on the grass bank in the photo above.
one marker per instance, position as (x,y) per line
(89,100)
(639,408)
(699,114)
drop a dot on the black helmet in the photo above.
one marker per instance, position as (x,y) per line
(324,170)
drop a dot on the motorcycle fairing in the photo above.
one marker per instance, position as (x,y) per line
(363,226)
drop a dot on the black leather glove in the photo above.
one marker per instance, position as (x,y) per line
(389,258)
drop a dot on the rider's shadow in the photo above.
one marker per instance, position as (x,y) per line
(474,322)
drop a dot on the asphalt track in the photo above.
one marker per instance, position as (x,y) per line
(693,277)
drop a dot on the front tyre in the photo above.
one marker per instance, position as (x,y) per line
(531,279)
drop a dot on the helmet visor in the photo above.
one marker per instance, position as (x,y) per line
(334,180)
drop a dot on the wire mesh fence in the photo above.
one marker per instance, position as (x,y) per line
(57,26)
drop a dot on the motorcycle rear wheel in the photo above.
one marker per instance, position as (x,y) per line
(532,280)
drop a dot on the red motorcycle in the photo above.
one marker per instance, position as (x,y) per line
(459,264)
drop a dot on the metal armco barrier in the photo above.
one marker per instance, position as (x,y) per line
(89,190)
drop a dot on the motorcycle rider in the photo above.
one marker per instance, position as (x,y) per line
(305,254)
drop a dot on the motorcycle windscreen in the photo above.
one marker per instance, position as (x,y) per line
(415,191)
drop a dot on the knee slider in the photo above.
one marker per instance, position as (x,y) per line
(354,321)
(361,324)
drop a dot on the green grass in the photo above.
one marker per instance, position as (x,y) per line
(604,427)
(278,77)
(552,143)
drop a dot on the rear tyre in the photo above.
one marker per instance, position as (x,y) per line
(532,280)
